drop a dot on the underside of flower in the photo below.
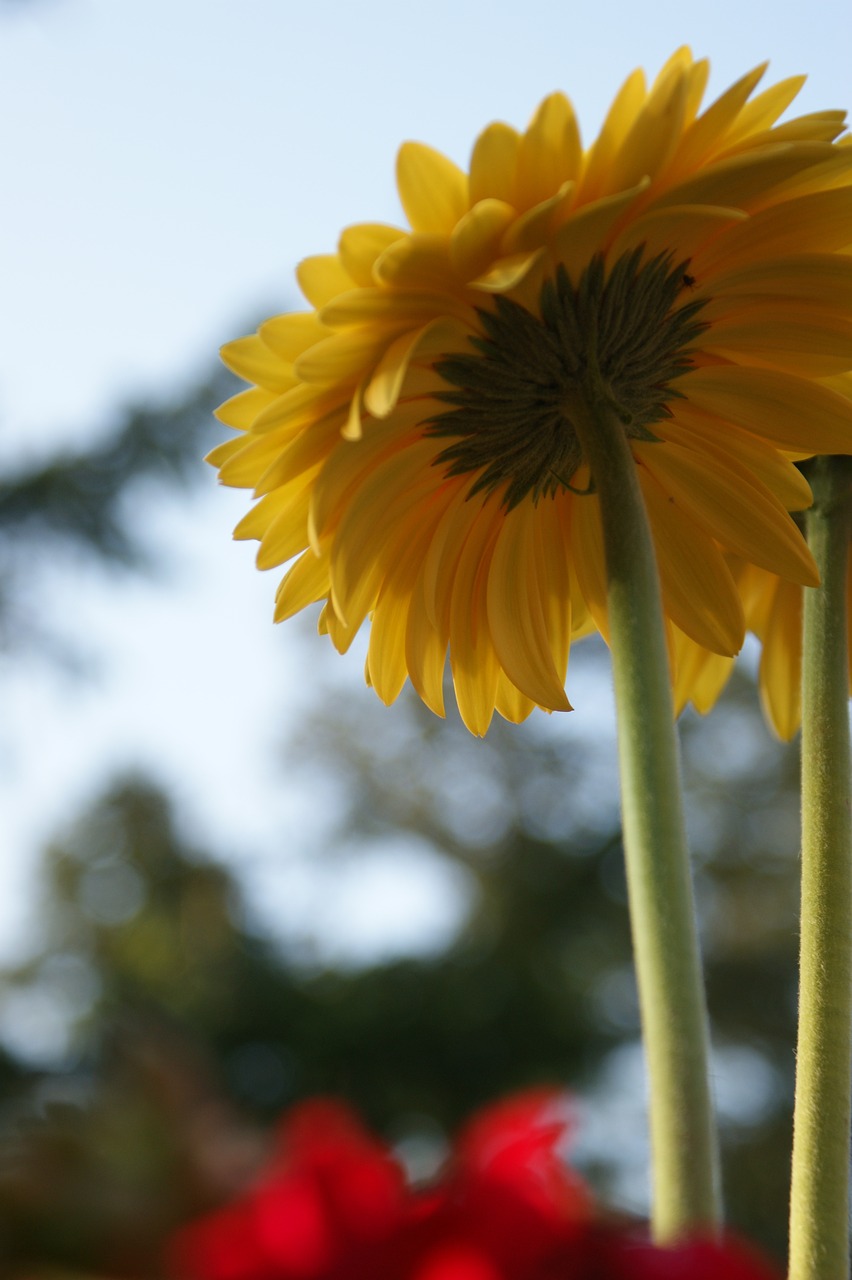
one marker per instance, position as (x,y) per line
(411,438)
(621,334)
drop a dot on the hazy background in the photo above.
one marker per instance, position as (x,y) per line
(167,163)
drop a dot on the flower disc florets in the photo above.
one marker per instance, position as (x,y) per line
(621,331)
(410,437)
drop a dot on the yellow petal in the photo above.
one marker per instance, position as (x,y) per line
(819,222)
(737,510)
(588,229)
(533,228)
(707,133)
(425,652)
(296,408)
(420,261)
(697,74)
(549,154)
(589,561)
(553,531)
(245,467)
(680,61)
(373,530)
(386,655)
(708,683)
(223,452)
(741,179)
(340,635)
(303,584)
(451,532)
(344,357)
(699,592)
(654,134)
(696,430)
(432,189)
(392,308)
(349,465)
(422,382)
(476,238)
(819,279)
(385,669)
(700,675)
(287,534)
(757,591)
(353,429)
(509,273)
(765,109)
(242,462)
(786,410)
(622,113)
(251,359)
(493,164)
(518,604)
(680,230)
(384,387)
(241,410)
(473,661)
(289,335)
(795,339)
(360,247)
(300,453)
(261,515)
(840,382)
(322,278)
(510,703)
(781,662)
(820,126)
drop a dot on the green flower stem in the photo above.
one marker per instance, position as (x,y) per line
(819,1208)
(671,994)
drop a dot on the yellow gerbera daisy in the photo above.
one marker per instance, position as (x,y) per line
(410,436)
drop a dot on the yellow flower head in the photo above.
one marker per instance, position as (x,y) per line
(410,437)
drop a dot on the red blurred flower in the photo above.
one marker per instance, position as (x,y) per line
(330,1196)
(626,1256)
(334,1205)
(506,1201)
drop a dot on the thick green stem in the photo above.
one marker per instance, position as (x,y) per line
(671,993)
(819,1209)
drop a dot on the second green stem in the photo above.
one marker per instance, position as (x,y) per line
(819,1214)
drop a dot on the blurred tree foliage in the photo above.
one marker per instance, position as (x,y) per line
(81,495)
(194,1025)
(192,1030)
(82,502)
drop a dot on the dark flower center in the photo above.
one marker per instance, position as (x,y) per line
(512,400)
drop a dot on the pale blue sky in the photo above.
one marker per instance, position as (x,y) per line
(171,160)
(167,163)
